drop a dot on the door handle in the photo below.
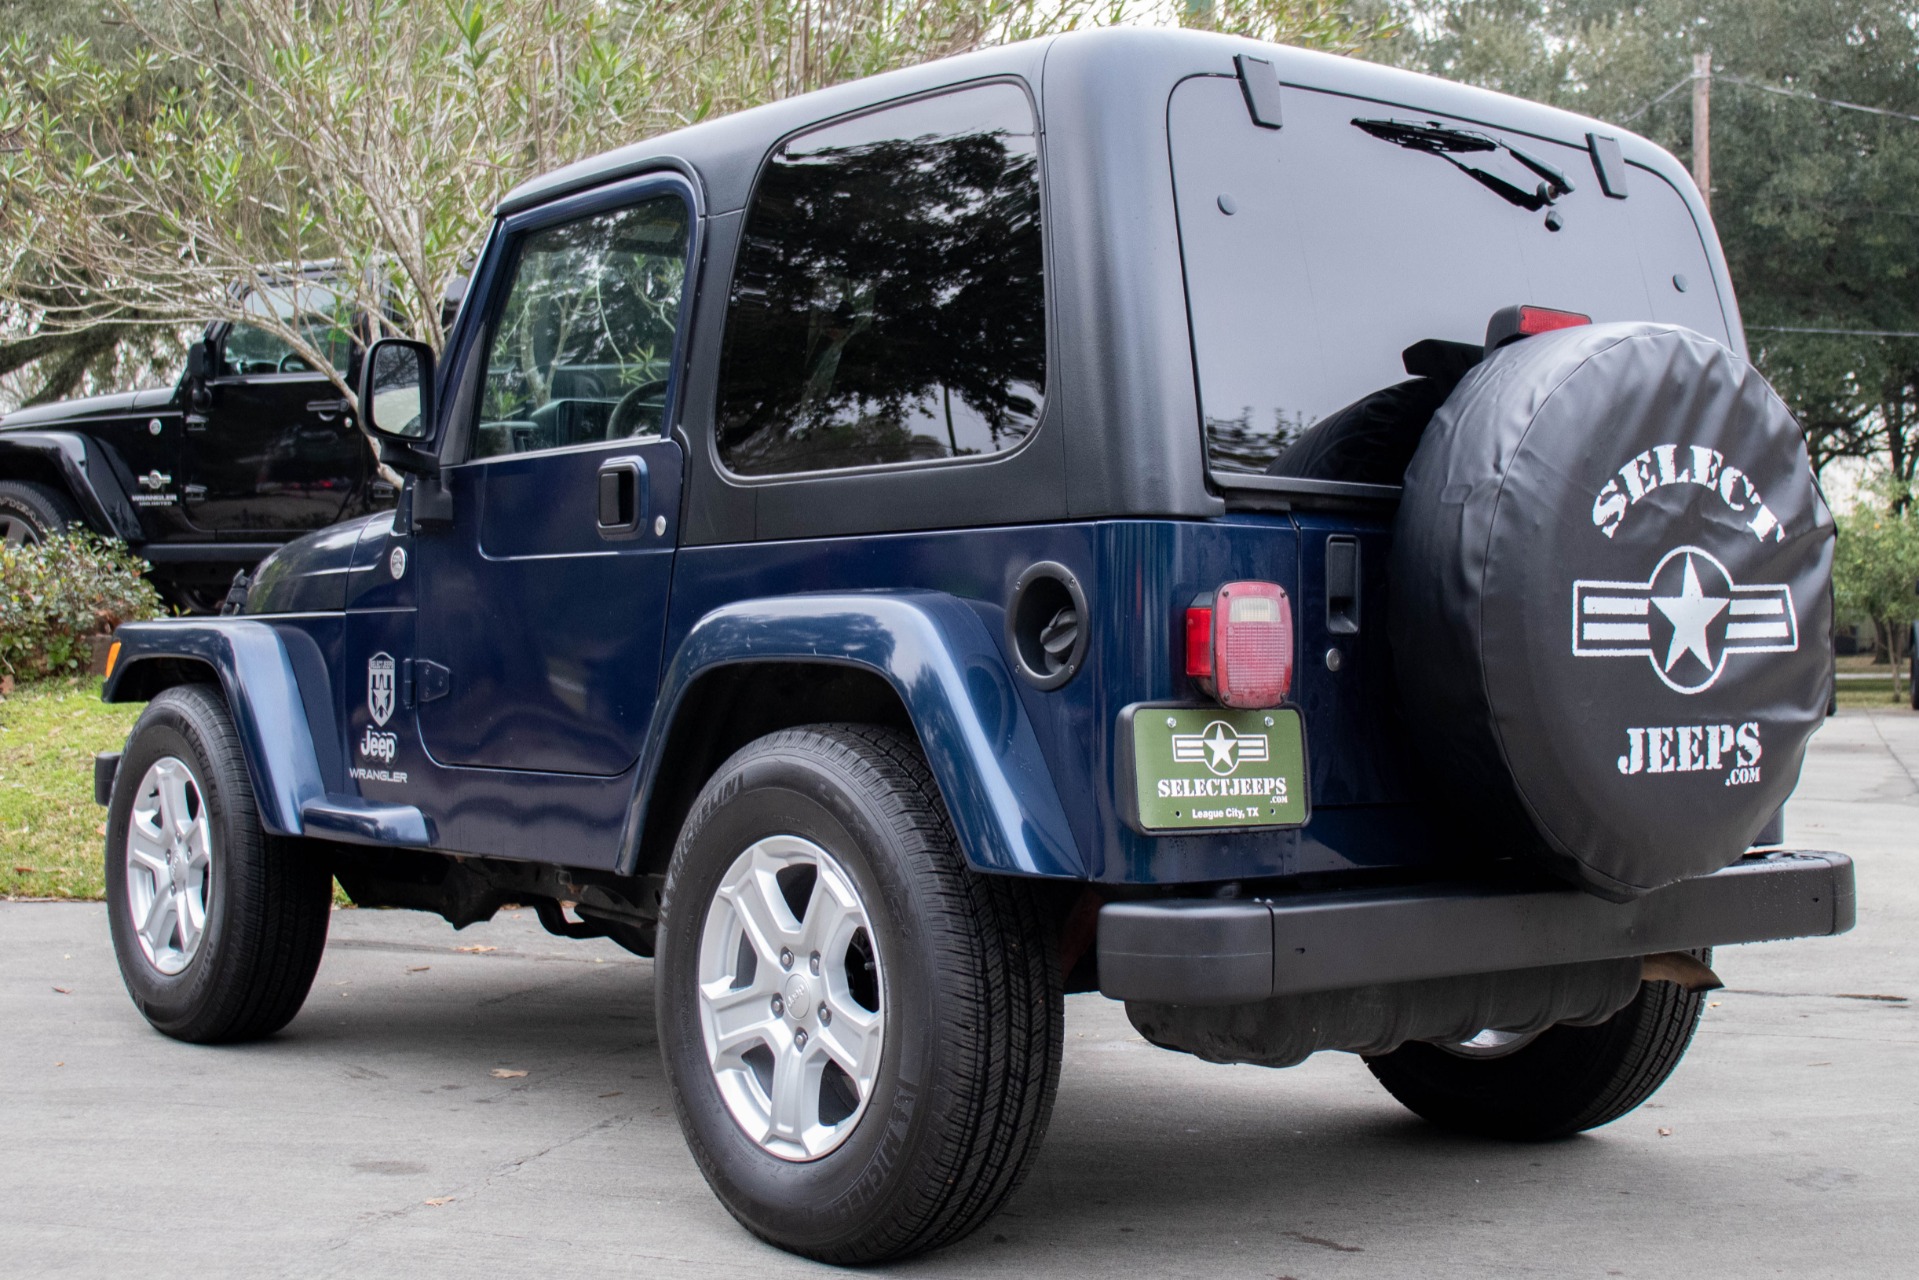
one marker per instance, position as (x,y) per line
(327,410)
(622,497)
(1342,585)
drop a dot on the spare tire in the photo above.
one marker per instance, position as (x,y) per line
(1611,604)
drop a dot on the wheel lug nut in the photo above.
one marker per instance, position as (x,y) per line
(799,1039)
(779,1006)
(786,958)
(815,962)
(826,1017)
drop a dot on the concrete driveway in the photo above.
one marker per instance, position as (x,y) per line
(374,1139)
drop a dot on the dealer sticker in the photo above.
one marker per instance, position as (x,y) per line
(1212,768)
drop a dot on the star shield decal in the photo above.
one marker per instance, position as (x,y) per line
(1685,619)
(1220,747)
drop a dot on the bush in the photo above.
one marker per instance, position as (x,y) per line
(61,591)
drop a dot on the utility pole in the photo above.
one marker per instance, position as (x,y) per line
(1702,125)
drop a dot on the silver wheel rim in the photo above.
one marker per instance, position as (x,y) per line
(16,531)
(791,1000)
(169,865)
(1492,1044)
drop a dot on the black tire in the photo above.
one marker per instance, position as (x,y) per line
(1541,497)
(266,899)
(1565,1081)
(971,998)
(1912,670)
(29,512)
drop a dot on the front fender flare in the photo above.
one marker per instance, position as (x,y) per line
(86,476)
(256,672)
(938,656)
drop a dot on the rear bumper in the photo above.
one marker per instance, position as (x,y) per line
(1200,951)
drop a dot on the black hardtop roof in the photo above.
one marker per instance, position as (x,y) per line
(1121,433)
(725,153)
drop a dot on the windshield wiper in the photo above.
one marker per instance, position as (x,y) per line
(1444,141)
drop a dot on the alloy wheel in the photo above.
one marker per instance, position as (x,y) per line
(17,531)
(1492,1044)
(169,865)
(791,998)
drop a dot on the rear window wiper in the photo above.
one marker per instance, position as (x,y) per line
(1446,142)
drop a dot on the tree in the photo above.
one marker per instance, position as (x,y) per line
(1875,569)
(38,365)
(1813,201)
(235,146)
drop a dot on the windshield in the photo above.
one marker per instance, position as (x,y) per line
(321,316)
(1341,270)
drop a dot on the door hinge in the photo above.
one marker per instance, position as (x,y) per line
(423,681)
(195,492)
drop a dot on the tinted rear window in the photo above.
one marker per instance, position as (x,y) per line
(889,304)
(1342,250)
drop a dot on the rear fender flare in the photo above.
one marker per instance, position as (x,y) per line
(952,679)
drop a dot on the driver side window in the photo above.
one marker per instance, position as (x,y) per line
(250,351)
(582,351)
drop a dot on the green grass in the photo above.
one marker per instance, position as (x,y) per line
(51,832)
(1871,693)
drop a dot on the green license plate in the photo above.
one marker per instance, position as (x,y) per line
(1215,769)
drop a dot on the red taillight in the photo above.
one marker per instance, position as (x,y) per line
(1239,645)
(1199,641)
(1534,320)
(1511,323)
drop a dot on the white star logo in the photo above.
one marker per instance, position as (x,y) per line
(1690,612)
(1222,748)
(1617,619)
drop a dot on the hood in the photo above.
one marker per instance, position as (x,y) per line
(309,575)
(86,408)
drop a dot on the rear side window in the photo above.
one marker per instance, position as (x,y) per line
(1340,283)
(889,303)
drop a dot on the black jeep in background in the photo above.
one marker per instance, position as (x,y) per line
(251,448)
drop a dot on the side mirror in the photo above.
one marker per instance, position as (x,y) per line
(199,368)
(396,395)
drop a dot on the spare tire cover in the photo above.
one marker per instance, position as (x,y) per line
(1611,608)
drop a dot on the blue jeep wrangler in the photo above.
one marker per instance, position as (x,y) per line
(1288,544)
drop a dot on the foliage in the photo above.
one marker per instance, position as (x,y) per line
(1812,201)
(50,829)
(246,143)
(1875,571)
(1310,24)
(59,592)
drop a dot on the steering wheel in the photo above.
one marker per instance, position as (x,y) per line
(621,421)
(299,363)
